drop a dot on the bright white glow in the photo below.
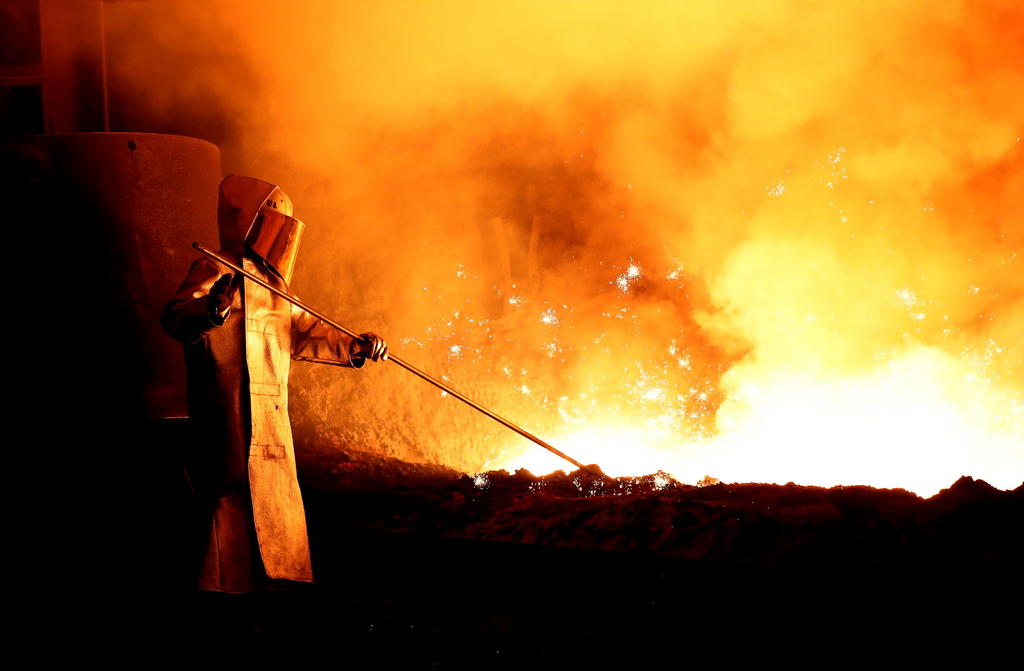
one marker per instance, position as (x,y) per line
(917,422)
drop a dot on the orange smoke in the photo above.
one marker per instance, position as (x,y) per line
(774,242)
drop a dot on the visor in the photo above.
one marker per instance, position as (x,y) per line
(275,237)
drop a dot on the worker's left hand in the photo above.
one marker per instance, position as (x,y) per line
(370,346)
(218,302)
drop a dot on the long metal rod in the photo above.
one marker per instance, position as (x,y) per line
(397,360)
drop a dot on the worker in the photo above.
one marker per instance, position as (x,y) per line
(239,339)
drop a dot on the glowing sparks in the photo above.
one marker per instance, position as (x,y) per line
(906,297)
(834,170)
(549,317)
(626,279)
(662,480)
(653,394)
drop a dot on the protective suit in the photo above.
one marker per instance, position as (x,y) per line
(239,340)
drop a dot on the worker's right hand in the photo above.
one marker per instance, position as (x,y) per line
(218,303)
(370,346)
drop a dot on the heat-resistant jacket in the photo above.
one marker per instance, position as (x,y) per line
(238,401)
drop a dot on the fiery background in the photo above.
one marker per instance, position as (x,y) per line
(777,241)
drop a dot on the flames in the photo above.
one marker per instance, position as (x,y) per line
(810,408)
(771,242)
(917,419)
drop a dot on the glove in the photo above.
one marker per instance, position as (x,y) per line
(369,346)
(218,303)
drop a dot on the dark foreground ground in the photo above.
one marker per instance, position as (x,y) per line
(422,567)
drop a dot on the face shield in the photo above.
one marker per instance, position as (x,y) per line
(275,237)
(257,215)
